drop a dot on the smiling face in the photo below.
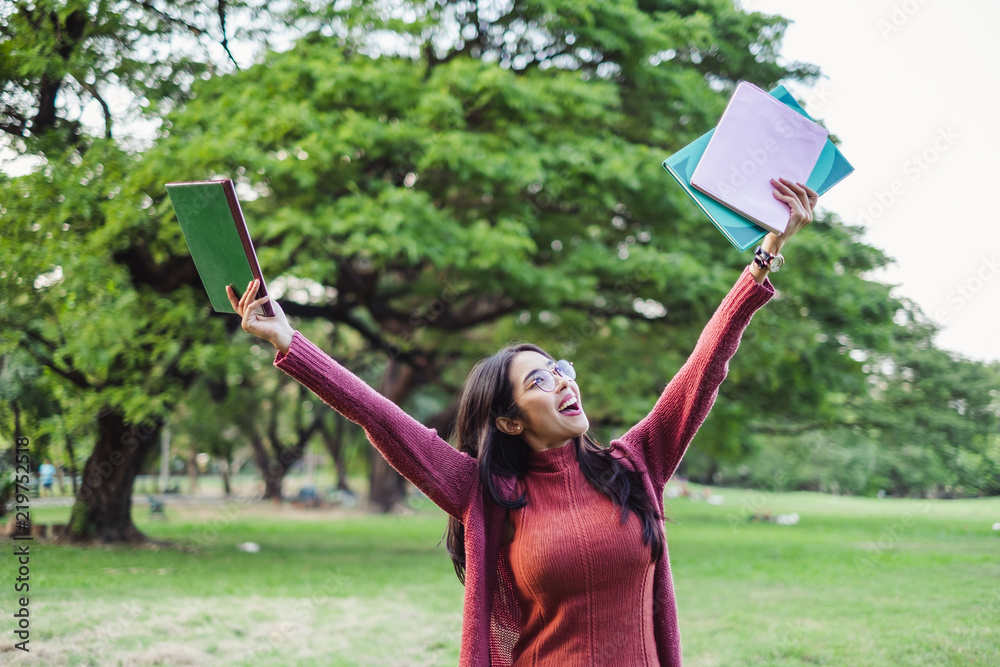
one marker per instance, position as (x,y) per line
(542,424)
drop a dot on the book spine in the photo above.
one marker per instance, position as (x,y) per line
(241,229)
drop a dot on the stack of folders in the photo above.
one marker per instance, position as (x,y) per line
(727,171)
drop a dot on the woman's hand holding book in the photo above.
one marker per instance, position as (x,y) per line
(275,330)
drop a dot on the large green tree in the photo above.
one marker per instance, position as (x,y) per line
(64,294)
(437,179)
(119,352)
(442,203)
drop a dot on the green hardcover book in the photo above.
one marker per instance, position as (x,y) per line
(830,169)
(216,233)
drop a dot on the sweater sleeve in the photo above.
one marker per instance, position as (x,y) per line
(662,437)
(443,473)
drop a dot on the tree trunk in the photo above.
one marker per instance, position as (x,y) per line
(271,470)
(17,420)
(388,488)
(444,421)
(103,507)
(274,469)
(192,465)
(226,464)
(45,118)
(165,458)
(72,461)
(335,445)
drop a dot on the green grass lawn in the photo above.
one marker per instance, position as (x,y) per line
(855,582)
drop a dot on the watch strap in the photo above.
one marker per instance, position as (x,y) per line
(763,259)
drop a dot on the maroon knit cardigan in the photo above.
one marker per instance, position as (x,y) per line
(450,478)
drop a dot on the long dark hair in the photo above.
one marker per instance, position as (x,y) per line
(485,396)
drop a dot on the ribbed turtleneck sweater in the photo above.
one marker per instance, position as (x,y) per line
(492,621)
(583,581)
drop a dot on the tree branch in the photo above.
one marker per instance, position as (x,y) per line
(148,6)
(272,422)
(473,312)
(76,377)
(16,129)
(225,39)
(92,89)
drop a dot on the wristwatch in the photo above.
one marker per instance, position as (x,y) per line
(765,260)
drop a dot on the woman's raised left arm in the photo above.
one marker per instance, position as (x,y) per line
(662,437)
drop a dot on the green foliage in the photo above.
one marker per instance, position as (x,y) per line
(927,424)
(435,198)
(59,56)
(76,311)
(436,180)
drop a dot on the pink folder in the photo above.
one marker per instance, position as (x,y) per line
(758,138)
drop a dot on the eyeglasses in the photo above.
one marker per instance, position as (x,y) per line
(546,380)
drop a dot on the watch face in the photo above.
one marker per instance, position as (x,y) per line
(776,262)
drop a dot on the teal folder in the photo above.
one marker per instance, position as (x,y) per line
(216,233)
(831,168)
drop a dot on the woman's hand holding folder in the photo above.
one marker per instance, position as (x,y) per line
(275,330)
(801,201)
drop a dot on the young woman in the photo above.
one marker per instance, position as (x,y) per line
(559,542)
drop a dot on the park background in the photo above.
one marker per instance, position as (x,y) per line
(425,182)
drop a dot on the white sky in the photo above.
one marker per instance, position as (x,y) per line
(910,89)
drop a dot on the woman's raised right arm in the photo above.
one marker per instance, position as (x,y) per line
(418,453)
